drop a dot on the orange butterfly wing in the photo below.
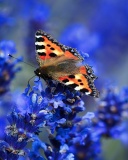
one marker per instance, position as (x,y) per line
(47,47)
(83,81)
(49,50)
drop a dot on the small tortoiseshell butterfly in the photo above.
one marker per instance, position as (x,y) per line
(60,63)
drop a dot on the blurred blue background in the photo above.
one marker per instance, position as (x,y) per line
(98,28)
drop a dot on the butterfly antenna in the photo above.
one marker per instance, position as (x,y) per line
(21,60)
(30,80)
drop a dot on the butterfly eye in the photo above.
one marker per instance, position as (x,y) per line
(37,72)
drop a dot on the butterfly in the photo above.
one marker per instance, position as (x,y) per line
(63,64)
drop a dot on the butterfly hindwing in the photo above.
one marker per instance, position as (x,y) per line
(80,82)
(87,70)
(83,81)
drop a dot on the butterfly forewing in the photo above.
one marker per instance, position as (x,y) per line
(47,47)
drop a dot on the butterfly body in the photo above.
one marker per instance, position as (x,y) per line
(63,64)
(58,69)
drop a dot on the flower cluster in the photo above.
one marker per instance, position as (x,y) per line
(112,109)
(57,112)
(7,65)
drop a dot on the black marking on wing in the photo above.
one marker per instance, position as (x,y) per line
(73,85)
(74,52)
(84,90)
(40,47)
(71,76)
(65,81)
(79,80)
(52,48)
(90,72)
(52,55)
(95,92)
(42,53)
(39,39)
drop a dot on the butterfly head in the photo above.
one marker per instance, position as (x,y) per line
(38,72)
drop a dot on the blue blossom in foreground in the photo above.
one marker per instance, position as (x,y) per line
(57,112)
(73,133)
(71,142)
(7,65)
(76,137)
(112,109)
(10,148)
(23,125)
(5,107)
(34,152)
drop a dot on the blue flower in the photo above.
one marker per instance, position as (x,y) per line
(71,130)
(57,111)
(34,152)
(7,47)
(77,141)
(111,111)
(7,65)
(10,148)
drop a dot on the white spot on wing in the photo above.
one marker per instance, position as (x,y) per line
(87,93)
(41,50)
(39,43)
(38,36)
(68,83)
(78,88)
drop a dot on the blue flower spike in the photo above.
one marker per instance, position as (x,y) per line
(8,68)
